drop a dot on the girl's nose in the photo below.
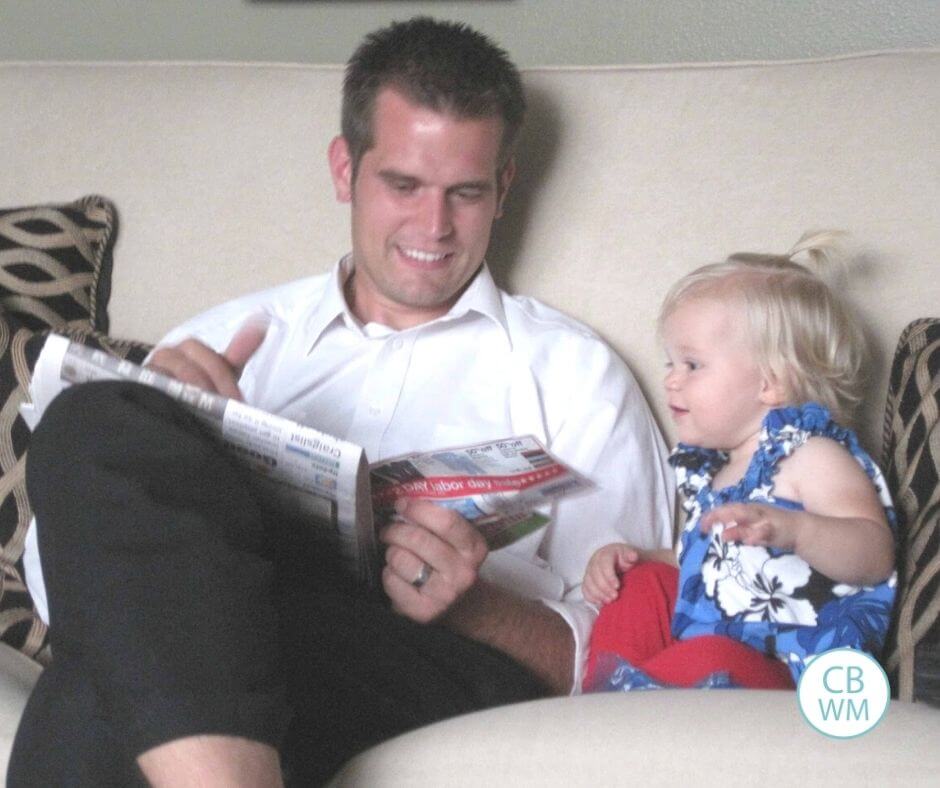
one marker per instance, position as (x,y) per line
(671,381)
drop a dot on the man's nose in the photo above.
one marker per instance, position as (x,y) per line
(435,216)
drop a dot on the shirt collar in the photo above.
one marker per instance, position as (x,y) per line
(482,296)
(332,304)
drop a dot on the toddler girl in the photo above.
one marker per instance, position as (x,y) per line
(788,547)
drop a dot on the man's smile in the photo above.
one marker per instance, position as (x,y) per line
(423,259)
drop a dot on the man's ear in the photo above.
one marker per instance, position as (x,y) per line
(503,180)
(773,392)
(341,168)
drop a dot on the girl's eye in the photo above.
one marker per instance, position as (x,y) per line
(692,365)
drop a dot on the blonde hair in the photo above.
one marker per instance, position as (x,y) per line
(802,335)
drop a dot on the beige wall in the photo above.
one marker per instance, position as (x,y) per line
(537,32)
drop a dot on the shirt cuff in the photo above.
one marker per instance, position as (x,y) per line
(32,569)
(579,616)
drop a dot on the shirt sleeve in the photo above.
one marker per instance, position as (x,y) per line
(217,326)
(600,423)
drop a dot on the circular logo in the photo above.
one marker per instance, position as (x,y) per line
(843,693)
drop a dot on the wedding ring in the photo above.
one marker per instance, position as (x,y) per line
(422,577)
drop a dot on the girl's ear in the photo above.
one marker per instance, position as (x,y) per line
(773,392)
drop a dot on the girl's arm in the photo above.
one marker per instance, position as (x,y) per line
(842,533)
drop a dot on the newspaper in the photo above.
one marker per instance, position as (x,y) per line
(504,487)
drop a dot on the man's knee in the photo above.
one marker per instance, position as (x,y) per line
(82,420)
(112,454)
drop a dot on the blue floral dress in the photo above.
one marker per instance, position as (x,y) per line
(771,599)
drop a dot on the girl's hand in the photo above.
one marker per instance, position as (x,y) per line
(755,524)
(602,576)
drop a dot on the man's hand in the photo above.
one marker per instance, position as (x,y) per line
(191,361)
(602,576)
(426,533)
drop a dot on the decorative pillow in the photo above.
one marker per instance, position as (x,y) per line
(55,271)
(19,626)
(912,468)
(55,264)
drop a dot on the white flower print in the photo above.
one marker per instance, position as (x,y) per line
(844,589)
(748,581)
(791,438)
(762,493)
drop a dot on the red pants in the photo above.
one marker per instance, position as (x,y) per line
(636,626)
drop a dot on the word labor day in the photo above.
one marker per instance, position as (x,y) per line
(458,486)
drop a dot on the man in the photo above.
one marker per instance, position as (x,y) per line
(208,639)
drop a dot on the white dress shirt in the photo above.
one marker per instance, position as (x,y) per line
(494,366)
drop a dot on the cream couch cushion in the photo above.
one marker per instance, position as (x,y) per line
(18,674)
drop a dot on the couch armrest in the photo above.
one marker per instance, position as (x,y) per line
(18,674)
(667,737)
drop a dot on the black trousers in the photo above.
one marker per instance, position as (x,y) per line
(180,604)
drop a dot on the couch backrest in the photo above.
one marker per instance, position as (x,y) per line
(629,176)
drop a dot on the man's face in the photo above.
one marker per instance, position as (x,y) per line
(423,204)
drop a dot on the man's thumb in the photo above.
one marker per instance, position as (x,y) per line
(246,341)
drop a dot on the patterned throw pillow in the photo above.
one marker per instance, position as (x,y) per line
(19,626)
(55,270)
(55,264)
(912,468)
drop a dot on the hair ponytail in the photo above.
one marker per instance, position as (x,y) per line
(824,248)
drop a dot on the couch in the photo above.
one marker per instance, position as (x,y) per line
(628,177)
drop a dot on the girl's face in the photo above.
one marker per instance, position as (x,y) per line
(717,394)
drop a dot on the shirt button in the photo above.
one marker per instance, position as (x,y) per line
(374,411)
(398,344)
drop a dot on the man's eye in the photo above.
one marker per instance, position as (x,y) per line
(469,195)
(403,187)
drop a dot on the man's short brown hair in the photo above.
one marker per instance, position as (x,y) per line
(444,66)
